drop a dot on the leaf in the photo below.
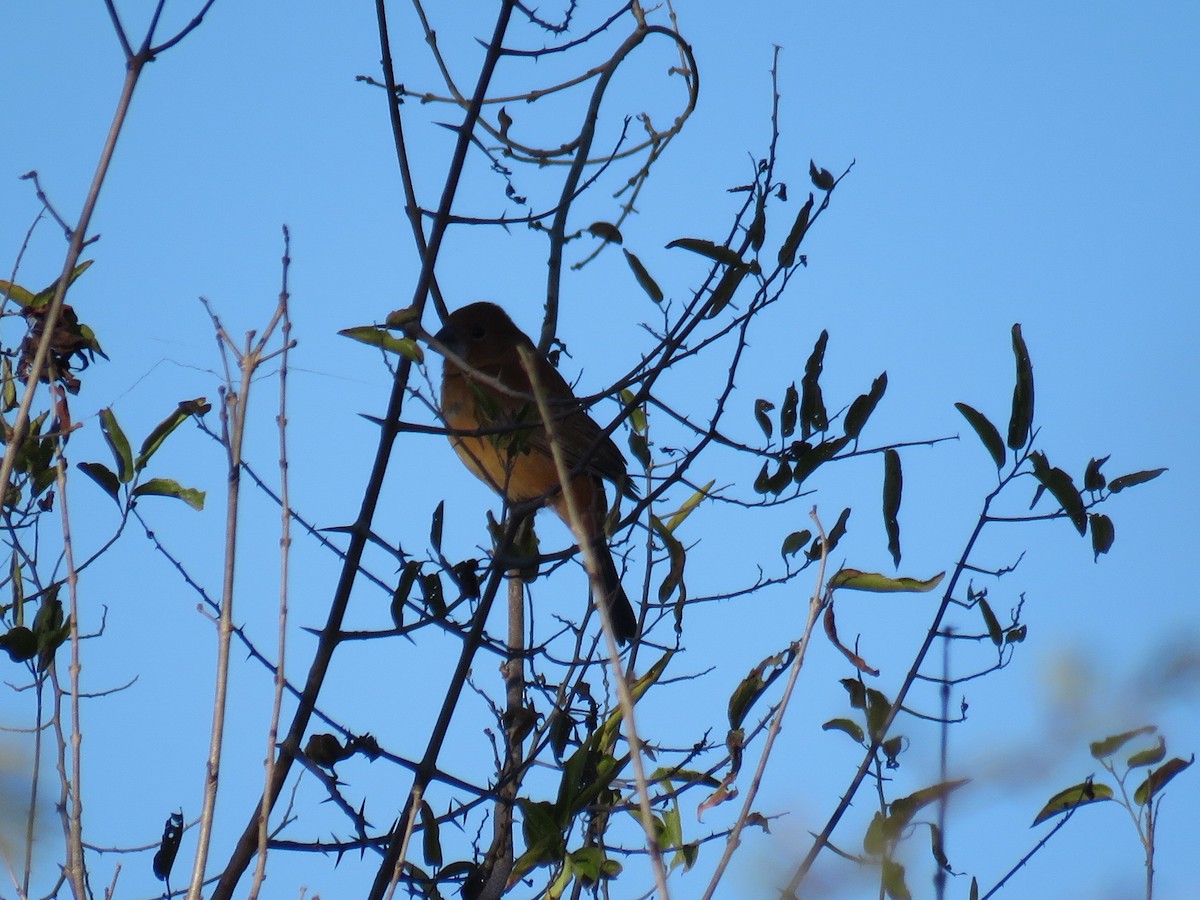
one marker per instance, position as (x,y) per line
(689,505)
(46,294)
(986,430)
(376,336)
(901,811)
(715,252)
(16,293)
(893,486)
(155,438)
(751,688)
(1158,779)
(730,281)
(855,660)
(118,444)
(862,407)
(1093,478)
(893,875)
(991,623)
(854,580)
(431,843)
(1075,796)
(435,527)
(647,283)
(606,231)
(822,178)
(787,414)
(794,543)
(787,250)
(1062,487)
(1103,534)
(812,407)
(168,847)
(761,408)
(1119,484)
(167,487)
(757,231)
(677,556)
(848,726)
(832,537)
(103,476)
(1150,756)
(1020,424)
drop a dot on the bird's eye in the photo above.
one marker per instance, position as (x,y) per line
(477,332)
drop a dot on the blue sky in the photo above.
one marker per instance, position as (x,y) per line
(1021,162)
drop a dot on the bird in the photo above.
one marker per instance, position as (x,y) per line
(516,459)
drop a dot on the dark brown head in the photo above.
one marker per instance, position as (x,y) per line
(482,334)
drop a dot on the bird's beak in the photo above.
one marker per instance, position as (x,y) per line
(449,338)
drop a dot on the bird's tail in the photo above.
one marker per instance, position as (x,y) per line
(620,610)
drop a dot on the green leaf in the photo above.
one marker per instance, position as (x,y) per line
(761,408)
(986,430)
(1119,484)
(893,872)
(377,336)
(19,643)
(751,688)
(787,250)
(1158,779)
(794,543)
(893,485)
(1110,745)
(1020,424)
(854,580)
(1150,756)
(103,476)
(155,438)
(1103,534)
(16,293)
(118,444)
(862,407)
(849,726)
(46,294)
(1075,796)
(878,707)
(167,487)
(677,556)
(689,505)
(648,284)
(715,252)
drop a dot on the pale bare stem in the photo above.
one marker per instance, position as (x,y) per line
(499,861)
(815,605)
(17,434)
(110,892)
(410,824)
(233,418)
(624,695)
(285,544)
(75,870)
(31,816)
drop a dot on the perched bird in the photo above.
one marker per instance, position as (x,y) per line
(516,461)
